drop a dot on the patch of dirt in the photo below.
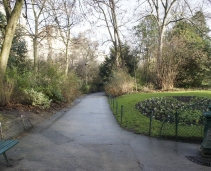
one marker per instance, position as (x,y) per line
(35,115)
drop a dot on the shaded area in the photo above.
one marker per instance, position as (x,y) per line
(56,137)
(200,160)
(15,127)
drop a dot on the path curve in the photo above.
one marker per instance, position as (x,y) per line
(88,138)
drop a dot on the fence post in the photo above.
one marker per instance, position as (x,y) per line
(122,108)
(176,125)
(150,124)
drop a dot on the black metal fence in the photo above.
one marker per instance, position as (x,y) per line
(172,128)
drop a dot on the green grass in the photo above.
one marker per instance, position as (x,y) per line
(134,121)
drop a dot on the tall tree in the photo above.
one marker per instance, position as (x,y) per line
(65,17)
(18,51)
(13,12)
(106,69)
(162,11)
(199,22)
(110,14)
(36,31)
(130,58)
(146,33)
(83,56)
(195,68)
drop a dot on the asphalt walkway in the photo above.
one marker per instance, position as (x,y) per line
(87,138)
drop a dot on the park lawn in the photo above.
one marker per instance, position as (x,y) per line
(134,121)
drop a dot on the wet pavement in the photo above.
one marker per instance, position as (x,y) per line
(87,138)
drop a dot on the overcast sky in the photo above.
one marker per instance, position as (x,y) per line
(100,33)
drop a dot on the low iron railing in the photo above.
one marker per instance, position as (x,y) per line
(172,127)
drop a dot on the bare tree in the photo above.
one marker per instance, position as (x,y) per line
(65,18)
(173,53)
(36,24)
(164,13)
(84,54)
(110,14)
(13,12)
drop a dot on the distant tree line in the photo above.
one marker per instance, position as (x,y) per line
(168,48)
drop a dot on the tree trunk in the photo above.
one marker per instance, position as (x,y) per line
(162,21)
(159,59)
(67,57)
(35,49)
(12,20)
(49,39)
(37,13)
(35,45)
(67,62)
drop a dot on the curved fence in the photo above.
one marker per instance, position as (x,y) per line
(173,128)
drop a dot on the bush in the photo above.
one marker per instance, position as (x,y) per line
(38,99)
(59,87)
(8,85)
(70,87)
(49,81)
(26,80)
(85,88)
(36,88)
(53,93)
(121,83)
(148,88)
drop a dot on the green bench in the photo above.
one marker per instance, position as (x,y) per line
(6,145)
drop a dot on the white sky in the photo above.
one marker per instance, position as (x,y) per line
(101,34)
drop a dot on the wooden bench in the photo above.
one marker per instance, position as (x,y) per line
(6,145)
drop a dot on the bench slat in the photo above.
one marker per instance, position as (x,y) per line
(6,145)
(5,142)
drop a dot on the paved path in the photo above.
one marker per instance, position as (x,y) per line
(87,138)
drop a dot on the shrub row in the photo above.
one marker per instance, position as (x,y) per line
(120,83)
(49,84)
